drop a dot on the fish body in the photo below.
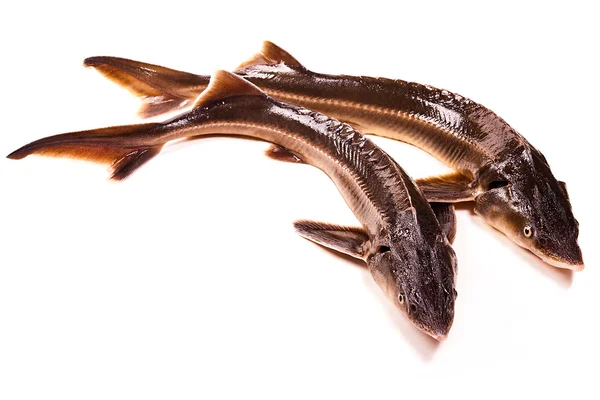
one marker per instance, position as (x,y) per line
(509,180)
(401,241)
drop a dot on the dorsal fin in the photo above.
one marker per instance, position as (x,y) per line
(271,54)
(225,84)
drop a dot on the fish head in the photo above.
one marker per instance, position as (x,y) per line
(522,198)
(415,266)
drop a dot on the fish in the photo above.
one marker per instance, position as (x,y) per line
(406,250)
(507,178)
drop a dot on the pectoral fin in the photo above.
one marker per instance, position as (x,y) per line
(446,217)
(450,188)
(348,240)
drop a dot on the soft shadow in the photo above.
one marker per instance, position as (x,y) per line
(425,345)
(355,261)
(564,277)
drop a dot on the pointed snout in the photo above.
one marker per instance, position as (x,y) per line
(437,328)
(440,337)
(567,257)
(577,266)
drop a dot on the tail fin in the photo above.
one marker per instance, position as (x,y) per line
(127,148)
(161,89)
(107,145)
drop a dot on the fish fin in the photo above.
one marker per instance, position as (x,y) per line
(125,166)
(450,188)
(99,145)
(162,105)
(280,153)
(444,212)
(161,89)
(271,54)
(348,240)
(225,84)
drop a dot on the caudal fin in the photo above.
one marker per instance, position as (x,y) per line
(126,148)
(161,89)
(111,146)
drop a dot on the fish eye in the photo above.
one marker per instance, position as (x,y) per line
(528,231)
(497,184)
(400,298)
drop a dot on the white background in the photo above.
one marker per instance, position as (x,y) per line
(187,280)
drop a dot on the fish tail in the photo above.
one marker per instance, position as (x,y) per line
(162,90)
(111,146)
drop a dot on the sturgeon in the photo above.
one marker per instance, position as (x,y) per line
(509,180)
(406,250)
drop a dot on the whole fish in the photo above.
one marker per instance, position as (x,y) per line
(510,180)
(405,249)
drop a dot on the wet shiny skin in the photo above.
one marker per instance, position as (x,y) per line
(420,263)
(460,132)
(532,209)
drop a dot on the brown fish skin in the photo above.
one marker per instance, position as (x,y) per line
(510,180)
(400,239)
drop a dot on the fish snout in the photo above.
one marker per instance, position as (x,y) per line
(440,334)
(573,263)
(560,254)
(440,337)
(435,321)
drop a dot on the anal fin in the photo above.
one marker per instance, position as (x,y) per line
(280,153)
(353,241)
(450,188)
